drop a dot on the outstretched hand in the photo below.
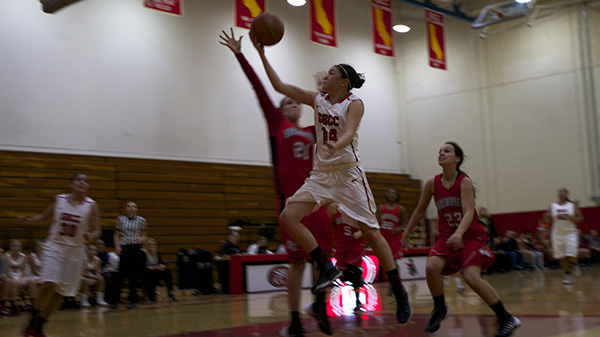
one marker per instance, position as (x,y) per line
(230,41)
(259,46)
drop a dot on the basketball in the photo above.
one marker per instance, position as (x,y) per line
(268,28)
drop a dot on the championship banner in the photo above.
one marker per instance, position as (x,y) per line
(174,7)
(246,11)
(322,22)
(383,41)
(435,38)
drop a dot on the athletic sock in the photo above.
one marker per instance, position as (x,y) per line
(439,302)
(319,257)
(295,318)
(38,323)
(394,278)
(500,311)
(320,298)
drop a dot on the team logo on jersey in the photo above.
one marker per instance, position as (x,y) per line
(485,251)
(278,276)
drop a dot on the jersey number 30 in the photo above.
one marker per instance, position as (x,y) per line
(67,230)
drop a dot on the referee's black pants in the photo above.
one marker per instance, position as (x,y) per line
(131,267)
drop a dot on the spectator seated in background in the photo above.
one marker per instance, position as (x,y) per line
(594,245)
(502,262)
(3,283)
(230,246)
(92,279)
(281,249)
(102,253)
(533,257)
(259,247)
(18,275)
(542,244)
(156,270)
(511,249)
(109,269)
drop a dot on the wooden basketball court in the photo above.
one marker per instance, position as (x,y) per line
(544,305)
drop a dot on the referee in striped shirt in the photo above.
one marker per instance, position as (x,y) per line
(130,234)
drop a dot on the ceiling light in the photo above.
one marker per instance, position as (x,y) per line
(297,3)
(401,28)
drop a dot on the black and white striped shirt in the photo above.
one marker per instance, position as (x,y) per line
(130,229)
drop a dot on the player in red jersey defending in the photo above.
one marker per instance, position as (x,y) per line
(462,243)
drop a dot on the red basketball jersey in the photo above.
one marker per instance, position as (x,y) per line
(390,219)
(291,147)
(449,206)
(344,232)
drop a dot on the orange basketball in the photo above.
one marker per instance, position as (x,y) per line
(268,28)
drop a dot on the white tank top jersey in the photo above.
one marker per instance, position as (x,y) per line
(16,266)
(70,221)
(563,226)
(330,123)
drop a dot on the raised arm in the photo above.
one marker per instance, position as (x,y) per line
(271,113)
(419,212)
(298,94)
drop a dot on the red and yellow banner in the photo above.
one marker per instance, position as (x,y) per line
(247,10)
(174,7)
(322,22)
(435,38)
(383,40)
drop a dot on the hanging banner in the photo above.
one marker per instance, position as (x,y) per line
(435,38)
(322,22)
(174,7)
(383,41)
(246,11)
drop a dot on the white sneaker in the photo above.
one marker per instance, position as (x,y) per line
(100,301)
(84,303)
(567,279)
(460,288)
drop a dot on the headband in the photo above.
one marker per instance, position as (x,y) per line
(346,73)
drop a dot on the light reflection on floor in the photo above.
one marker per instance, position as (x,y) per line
(538,298)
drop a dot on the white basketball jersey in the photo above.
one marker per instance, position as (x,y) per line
(16,266)
(330,123)
(70,221)
(563,226)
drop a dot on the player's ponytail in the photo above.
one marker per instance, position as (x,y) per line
(458,152)
(355,79)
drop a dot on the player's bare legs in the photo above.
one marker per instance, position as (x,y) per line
(294,284)
(290,220)
(435,282)
(488,294)
(44,306)
(383,252)
(380,247)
